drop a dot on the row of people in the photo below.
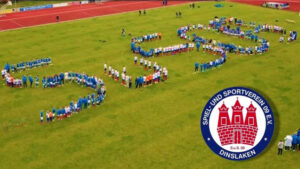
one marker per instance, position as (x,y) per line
(18,83)
(115,74)
(74,107)
(53,81)
(147,64)
(152,78)
(173,50)
(27,65)
(125,79)
(148,37)
(291,142)
(83,79)
(212,64)
(229,47)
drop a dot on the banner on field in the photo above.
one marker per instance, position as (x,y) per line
(84,2)
(276,5)
(60,5)
(74,3)
(36,7)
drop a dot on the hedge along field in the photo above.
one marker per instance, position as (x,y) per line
(153,127)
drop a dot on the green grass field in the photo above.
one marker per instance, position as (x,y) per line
(154,127)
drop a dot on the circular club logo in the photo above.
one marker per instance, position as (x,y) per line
(237,123)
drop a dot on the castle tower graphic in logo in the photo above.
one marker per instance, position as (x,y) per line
(237,131)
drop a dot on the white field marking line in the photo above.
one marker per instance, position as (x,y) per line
(90,17)
(16,23)
(70,11)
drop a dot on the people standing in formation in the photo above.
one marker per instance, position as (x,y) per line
(159,74)
(74,107)
(262,48)
(93,99)
(56,80)
(173,50)
(292,142)
(141,39)
(26,65)
(9,69)
(146,38)
(53,81)
(115,74)
(211,64)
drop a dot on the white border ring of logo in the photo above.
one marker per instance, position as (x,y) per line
(237,156)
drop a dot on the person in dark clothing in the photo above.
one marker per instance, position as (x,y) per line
(57,18)
(144,11)
(123,32)
(136,82)
(130,84)
(140,12)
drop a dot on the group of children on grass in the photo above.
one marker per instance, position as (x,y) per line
(211,64)
(57,80)
(148,37)
(74,107)
(93,99)
(264,28)
(11,81)
(218,48)
(26,65)
(291,142)
(175,49)
(115,75)
(263,47)
(159,74)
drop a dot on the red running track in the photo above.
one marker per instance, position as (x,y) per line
(46,16)
(294,4)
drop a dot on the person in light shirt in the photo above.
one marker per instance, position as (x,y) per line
(288,142)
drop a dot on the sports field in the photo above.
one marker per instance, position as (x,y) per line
(153,127)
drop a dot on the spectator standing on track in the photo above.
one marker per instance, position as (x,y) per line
(57,18)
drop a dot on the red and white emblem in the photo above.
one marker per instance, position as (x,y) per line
(237,123)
